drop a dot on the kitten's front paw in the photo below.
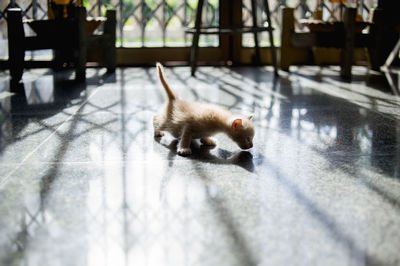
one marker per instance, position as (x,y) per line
(158,134)
(208,142)
(184,151)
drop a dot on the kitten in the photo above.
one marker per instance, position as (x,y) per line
(195,120)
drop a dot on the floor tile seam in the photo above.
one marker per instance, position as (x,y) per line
(103,162)
(62,162)
(45,163)
(8,176)
(337,154)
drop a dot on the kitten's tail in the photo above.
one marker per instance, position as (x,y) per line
(168,90)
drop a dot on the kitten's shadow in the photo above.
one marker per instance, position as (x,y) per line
(243,159)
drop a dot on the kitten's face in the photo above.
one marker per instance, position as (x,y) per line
(243,132)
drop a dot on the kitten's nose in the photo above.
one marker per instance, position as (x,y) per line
(248,146)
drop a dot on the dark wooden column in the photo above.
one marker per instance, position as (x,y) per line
(16,49)
(230,15)
(110,52)
(347,53)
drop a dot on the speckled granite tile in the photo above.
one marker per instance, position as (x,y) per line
(83,181)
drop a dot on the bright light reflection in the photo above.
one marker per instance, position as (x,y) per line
(136,212)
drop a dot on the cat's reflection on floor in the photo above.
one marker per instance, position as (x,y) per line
(201,152)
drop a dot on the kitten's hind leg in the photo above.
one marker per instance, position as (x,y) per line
(184,143)
(157,121)
(208,141)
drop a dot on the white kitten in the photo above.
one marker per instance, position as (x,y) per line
(194,120)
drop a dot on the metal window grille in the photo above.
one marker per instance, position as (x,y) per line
(160,23)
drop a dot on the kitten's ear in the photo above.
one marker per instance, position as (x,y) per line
(237,123)
(250,117)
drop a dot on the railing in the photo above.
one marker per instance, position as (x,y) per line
(161,23)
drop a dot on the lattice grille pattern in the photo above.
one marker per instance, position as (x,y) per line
(161,22)
(155,22)
(303,9)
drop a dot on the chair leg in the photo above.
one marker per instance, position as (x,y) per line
(271,37)
(16,50)
(195,41)
(257,58)
(346,61)
(110,52)
(393,54)
(80,67)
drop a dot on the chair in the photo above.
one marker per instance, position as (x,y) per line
(347,35)
(387,69)
(69,38)
(230,30)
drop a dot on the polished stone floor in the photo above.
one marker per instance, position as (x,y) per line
(83,181)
